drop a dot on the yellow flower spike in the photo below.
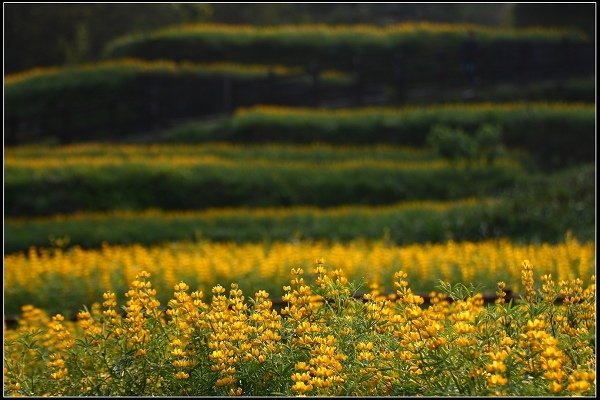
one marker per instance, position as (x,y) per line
(496,366)
(140,352)
(579,387)
(302,366)
(181,287)
(464,341)
(177,352)
(555,387)
(182,363)
(590,376)
(497,380)
(143,275)
(225,381)
(301,387)
(499,355)
(218,290)
(182,375)
(58,317)
(414,312)
(527,280)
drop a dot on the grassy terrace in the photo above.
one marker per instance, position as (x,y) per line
(347,47)
(107,177)
(552,133)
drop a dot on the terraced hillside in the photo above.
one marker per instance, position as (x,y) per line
(234,155)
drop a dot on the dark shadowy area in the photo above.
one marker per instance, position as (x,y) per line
(57,34)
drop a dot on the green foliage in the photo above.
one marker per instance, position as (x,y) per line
(318,153)
(374,54)
(35,34)
(452,144)
(108,100)
(540,209)
(58,34)
(140,186)
(455,144)
(547,203)
(538,128)
(402,224)
(565,90)
(78,51)
(489,142)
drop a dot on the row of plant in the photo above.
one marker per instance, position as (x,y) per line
(235,152)
(80,276)
(403,223)
(61,189)
(408,52)
(132,96)
(53,162)
(324,342)
(553,133)
(541,208)
(128,96)
(79,74)
(555,90)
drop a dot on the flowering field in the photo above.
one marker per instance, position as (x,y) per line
(83,275)
(355,330)
(323,342)
(300,212)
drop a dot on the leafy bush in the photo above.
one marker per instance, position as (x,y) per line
(455,144)
(451,144)
(489,142)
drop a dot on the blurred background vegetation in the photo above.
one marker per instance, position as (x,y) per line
(399,123)
(59,34)
(518,126)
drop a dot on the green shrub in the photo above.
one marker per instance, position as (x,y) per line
(489,142)
(452,144)
(455,144)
